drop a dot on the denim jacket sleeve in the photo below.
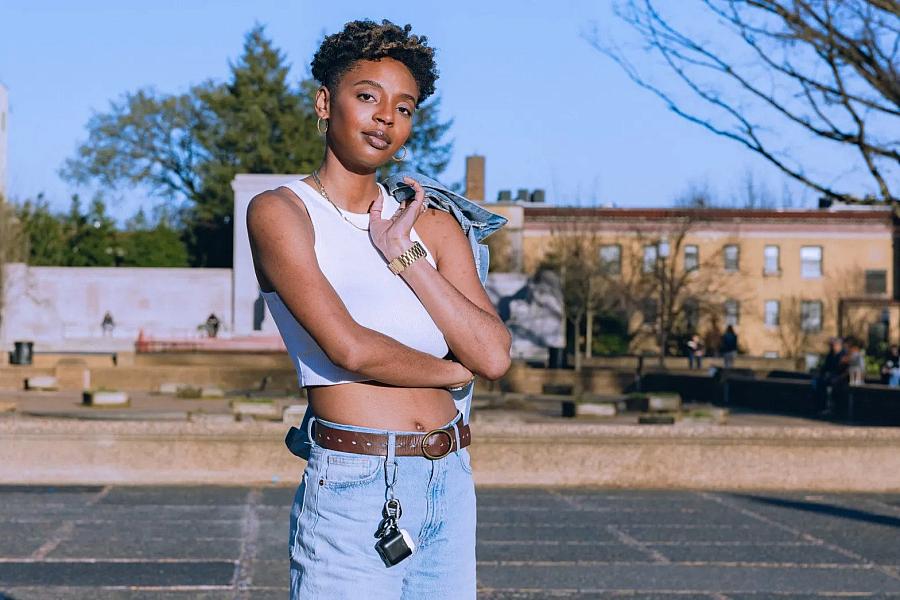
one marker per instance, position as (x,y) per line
(477,223)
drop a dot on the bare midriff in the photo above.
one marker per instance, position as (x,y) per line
(379,406)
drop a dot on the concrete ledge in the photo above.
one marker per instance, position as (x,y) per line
(48,451)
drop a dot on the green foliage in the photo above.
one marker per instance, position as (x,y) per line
(90,239)
(145,138)
(611,336)
(256,123)
(160,246)
(46,234)
(91,236)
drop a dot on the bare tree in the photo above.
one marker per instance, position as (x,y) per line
(674,289)
(661,285)
(697,195)
(587,288)
(796,337)
(842,287)
(753,193)
(826,68)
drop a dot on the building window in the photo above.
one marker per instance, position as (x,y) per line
(732,312)
(649,311)
(771,263)
(691,310)
(810,261)
(773,313)
(691,258)
(611,259)
(732,257)
(651,254)
(876,282)
(811,315)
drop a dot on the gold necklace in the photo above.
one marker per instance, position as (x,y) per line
(324,194)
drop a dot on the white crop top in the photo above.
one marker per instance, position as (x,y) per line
(375,297)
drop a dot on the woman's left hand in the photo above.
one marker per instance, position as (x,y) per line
(391,236)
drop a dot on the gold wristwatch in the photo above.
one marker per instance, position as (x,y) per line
(411,255)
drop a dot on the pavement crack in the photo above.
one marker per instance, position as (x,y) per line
(99,496)
(631,542)
(61,534)
(565,499)
(243,571)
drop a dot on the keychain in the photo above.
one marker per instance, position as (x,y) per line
(394,544)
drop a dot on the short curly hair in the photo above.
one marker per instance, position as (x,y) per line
(366,40)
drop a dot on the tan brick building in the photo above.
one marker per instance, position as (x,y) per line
(785,279)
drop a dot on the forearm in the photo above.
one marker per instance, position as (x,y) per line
(384,359)
(478,339)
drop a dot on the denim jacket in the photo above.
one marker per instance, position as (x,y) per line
(477,223)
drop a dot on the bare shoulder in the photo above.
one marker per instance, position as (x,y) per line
(273,210)
(441,233)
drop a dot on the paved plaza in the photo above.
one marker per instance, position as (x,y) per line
(230,542)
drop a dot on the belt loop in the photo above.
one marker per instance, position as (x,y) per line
(456,433)
(390,466)
(391,447)
(309,426)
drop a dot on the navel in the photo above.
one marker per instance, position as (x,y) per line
(419,426)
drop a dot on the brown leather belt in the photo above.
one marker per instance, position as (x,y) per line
(433,445)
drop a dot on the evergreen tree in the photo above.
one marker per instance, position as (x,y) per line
(160,246)
(92,238)
(147,244)
(263,126)
(46,235)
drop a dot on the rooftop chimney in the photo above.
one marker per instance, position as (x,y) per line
(475,178)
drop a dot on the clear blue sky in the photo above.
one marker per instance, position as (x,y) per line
(525,89)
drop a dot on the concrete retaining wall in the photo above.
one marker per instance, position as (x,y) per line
(737,458)
(226,377)
(59,307)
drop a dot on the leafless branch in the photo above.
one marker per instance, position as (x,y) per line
(829,68)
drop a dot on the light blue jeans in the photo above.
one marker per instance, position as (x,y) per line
(337,510)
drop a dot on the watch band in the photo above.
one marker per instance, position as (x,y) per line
(411,255)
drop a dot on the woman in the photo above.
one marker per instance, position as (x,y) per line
(378,353)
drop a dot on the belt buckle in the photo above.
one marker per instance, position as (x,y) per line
(435,456)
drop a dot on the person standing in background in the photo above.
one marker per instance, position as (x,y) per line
(832,376)
(107,325)
(856,363)
(890,368)
(695,352)
(728,347)
(212,325)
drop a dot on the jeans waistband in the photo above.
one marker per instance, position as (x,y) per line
(361,429)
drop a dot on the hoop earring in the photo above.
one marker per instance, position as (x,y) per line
(402,157)
(319,126)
